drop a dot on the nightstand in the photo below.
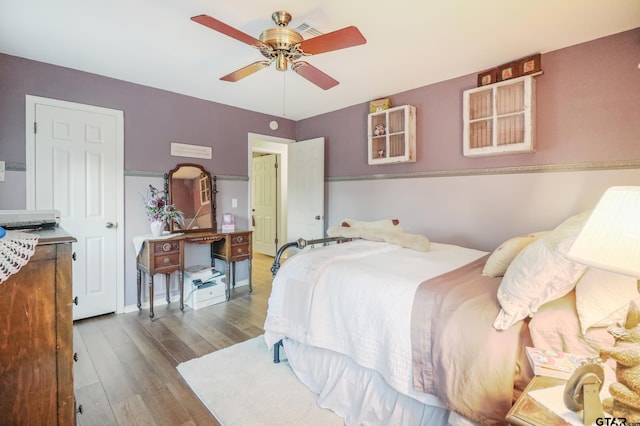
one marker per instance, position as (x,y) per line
(528,412)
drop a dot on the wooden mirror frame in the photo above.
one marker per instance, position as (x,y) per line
(176,195)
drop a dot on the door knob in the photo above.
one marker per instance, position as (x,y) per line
(109,225)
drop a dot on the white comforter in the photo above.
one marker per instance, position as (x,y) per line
(355,298)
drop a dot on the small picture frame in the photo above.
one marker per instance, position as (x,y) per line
(487,77)
(508,71)
(530,64)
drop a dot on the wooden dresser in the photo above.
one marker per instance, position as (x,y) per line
(36,337)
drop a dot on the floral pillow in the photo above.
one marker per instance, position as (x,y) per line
(539,273)
(502,257)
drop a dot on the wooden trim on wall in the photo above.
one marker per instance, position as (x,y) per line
(551,168)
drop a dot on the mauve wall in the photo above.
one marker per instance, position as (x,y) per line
(152,118)
(588,110)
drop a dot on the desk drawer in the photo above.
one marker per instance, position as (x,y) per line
(165,247)
(167,260)
(240,251)
(240,239)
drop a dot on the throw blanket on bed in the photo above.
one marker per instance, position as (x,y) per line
(457,354)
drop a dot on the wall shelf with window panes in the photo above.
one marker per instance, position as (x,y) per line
(500,118)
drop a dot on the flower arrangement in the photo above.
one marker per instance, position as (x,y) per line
(158,210)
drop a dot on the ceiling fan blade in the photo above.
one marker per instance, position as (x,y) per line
(245,71)
(228,30)
(314,75)
(335,40)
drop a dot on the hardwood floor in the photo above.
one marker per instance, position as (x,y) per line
(126,370)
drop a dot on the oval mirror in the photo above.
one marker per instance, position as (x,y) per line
(190,190)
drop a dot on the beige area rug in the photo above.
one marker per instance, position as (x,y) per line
(242,386)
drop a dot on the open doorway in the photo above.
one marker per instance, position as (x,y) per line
(300,186)
(264,196)
(267,192)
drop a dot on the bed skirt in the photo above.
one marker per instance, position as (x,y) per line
(360,395)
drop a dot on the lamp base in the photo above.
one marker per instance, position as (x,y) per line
(626,353)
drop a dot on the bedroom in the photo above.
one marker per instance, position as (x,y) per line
(587,141)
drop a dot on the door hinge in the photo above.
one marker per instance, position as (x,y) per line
(275,165)
(276,241)
(35,127)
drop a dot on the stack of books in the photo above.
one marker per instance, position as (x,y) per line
(550,363)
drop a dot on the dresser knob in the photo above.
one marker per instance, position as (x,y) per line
(239,238)
(166,260)
(239,250)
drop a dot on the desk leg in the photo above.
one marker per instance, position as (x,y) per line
(167,280)
(250,270)
(151,297)
(181,279)
(227,285)
(139,277)
(233,274)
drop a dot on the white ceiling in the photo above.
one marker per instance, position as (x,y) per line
(410,43)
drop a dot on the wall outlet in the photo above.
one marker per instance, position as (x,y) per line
(234,202)
(1,171)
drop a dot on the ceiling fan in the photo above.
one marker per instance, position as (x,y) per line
(285,46)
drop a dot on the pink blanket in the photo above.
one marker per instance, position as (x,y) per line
(456,353)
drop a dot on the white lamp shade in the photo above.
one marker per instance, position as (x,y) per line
(610,239)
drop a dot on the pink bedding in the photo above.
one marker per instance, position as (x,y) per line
(457,354)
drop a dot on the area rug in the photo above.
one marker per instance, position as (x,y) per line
(241,386)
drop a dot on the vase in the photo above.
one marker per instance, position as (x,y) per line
(157,226)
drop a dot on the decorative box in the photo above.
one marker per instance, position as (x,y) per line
(508,71)
(530,64)
(487,77)
(228,223)
(379,105)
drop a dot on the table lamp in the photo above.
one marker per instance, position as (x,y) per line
(610,240)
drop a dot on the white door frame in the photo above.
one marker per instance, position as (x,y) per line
(118,115)
(271,145)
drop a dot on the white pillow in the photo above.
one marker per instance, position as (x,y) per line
(502,257)
(602,298)
(539,273)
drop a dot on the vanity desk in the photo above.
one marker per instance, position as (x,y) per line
(166,255)
(192,190)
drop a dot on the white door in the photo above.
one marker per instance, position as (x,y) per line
(306,190)
(74,170)
(264,197)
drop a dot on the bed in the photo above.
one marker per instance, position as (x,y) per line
(386,334)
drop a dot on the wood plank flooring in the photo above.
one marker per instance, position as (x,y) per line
(126,371)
